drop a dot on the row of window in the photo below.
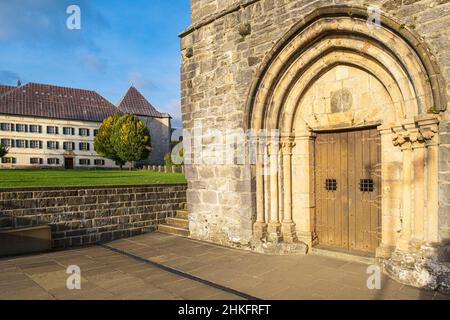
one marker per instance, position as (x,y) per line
(84,132)
(37,144)
(54,161)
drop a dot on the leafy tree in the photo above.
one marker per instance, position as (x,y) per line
(130,138)
(103,144)
(168,160)
(3,151)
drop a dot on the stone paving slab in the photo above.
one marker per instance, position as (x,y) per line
(104,275)
(271,277)
(111,275)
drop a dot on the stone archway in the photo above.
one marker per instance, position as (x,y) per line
(334,71)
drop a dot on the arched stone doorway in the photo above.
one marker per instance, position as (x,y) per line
(334,72)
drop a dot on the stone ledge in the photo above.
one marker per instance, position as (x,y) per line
(71,188)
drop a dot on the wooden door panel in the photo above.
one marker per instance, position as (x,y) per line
(321,205)
(343,194)
(336,214)
(375,196)
(348,217)
(352,189)
(331,195)
(365,174)
(359,222)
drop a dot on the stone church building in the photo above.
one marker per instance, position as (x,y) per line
(358,95)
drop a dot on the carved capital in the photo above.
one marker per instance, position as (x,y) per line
(273,148)
(414,136)
(287,145)
(429,132)
(400,138)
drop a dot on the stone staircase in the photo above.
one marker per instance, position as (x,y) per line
(178,225)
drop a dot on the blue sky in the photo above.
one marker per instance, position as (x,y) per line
(120,43)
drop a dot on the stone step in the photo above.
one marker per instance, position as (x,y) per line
(177,222)
(6,222)
(16,241)
(173,230)
(351,257)
(182,214)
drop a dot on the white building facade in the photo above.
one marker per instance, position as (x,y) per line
(47,126)
(41,142)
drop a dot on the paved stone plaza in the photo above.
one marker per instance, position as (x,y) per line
(108,274)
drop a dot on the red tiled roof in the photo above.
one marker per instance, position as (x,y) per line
(48,101)
(134,102)
(4,89)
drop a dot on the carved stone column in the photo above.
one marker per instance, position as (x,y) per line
(288,225)
(402,139)
(389,205)
(418,142)
(428,125)
(419,187)
(303,182)
(260,226)
(274,227)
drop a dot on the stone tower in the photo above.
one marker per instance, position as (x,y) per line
(370,84)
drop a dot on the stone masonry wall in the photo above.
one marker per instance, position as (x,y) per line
(86,215)
(444,183)
(221,54)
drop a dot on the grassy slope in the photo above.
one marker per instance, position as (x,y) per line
(80,177)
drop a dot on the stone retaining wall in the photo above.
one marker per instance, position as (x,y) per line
(86,215)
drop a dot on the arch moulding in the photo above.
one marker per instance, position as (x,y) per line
(398,88)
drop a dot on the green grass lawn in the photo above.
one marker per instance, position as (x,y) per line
(84,177)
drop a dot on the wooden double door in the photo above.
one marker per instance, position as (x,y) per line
(68,163)
(347,188)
